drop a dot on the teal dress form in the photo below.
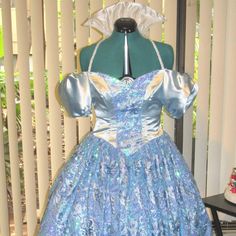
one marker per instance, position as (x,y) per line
(110,57)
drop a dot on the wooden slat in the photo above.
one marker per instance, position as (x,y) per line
(40,97)
(82,32)
(156,29)
(228,144)
(170,11)
(52,65)
(82,40)
(216,101)
(11,119)
(203,95)
(14,38)
(228,155)
(26,118)
(189,68)
(4,220)
(95,5)
(68,65)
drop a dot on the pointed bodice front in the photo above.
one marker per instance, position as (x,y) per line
(127,113)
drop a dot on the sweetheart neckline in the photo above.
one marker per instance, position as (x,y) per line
(123,82)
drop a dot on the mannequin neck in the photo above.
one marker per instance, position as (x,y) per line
(132,36)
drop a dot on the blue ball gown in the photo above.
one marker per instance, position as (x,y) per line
(127,177)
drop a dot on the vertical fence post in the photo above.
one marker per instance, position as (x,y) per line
(180,61)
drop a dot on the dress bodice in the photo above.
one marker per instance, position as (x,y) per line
(127,113)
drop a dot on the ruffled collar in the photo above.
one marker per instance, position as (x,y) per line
(103,20)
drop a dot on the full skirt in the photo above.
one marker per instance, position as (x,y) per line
(100,191)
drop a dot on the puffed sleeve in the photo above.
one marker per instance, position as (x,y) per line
(74,94)
(178,92)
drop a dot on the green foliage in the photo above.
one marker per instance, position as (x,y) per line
(1,43)
(196,53)
(18,124)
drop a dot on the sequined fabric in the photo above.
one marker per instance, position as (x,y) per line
(102,192)
(127,177)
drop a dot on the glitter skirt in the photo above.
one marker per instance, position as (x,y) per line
(102,192)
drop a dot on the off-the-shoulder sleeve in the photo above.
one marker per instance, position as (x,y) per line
(74,94)
(178,92)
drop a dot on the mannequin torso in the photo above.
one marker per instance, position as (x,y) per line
(109,56)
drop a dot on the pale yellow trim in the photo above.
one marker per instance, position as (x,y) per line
(186,90)
(157,79)
(99,83)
